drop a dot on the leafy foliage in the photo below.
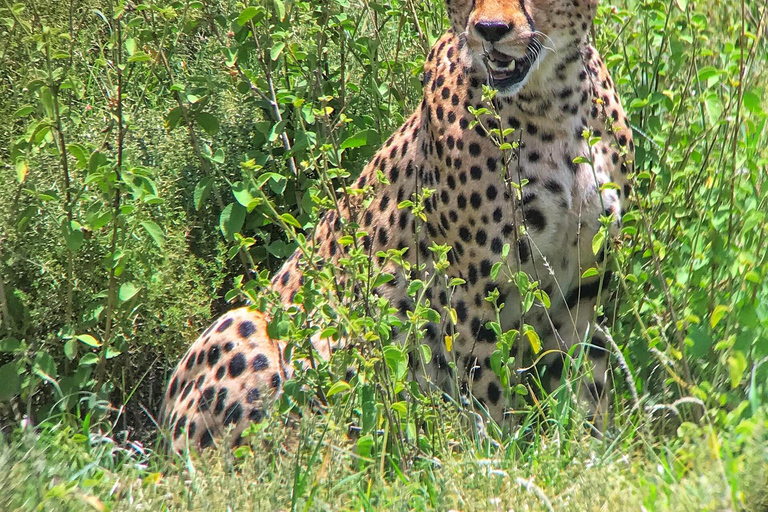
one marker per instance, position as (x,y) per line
(161,159)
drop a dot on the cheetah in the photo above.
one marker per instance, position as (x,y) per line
(538,202)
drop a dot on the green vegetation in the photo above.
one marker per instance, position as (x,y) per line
(159,160)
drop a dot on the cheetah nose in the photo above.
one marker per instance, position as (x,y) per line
(492,31)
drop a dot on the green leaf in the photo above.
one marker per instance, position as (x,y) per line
(242,194)
(44,363)
(591,271)
(80,154)
(173,118)
(263,178)
(73,235)
(365,446)
(533,338)
(247,15)
(22,169)
(89,340)
(231,220)
(707,72)
(717,315)
(338,387)
(523,281)
(401,408)
(426,352)
(543,298)
(496,361)
(218,156)
(70,349)
(10,384)
(89,359)
(397,361)
(381,279)
(46,98)
(139,56)
(23,111)
(10,345)
(276,50)
(112,353)
(495,270)
(714,106)
(202,191)
(752,102)
(414,286)
(208,122)
(154,231)
(127,291)
(328,332)
(598,240)
(737,365)
(279,9)
(290,220)
(355,141)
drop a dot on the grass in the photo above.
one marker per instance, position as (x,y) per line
(700,469)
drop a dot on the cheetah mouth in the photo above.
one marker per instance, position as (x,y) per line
(505,72)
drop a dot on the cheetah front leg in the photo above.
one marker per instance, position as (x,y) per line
(590,375)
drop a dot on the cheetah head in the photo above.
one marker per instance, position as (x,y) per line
(511,39)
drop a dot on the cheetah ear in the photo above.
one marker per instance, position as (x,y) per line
(458,13)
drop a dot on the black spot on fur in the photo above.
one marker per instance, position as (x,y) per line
(523,250)
(223,326)
(587,291)
(535,219)
(214,354)
(206,399)
(494,393)
(221,401)
(173,388)
(237,365)
(233,414)
(206,439)
(187,389)
(247,328)
(253,395)
(596,348)
(260,362)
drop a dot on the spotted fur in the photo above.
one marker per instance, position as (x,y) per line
(552,86)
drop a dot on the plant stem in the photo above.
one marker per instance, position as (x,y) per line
(112,285)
